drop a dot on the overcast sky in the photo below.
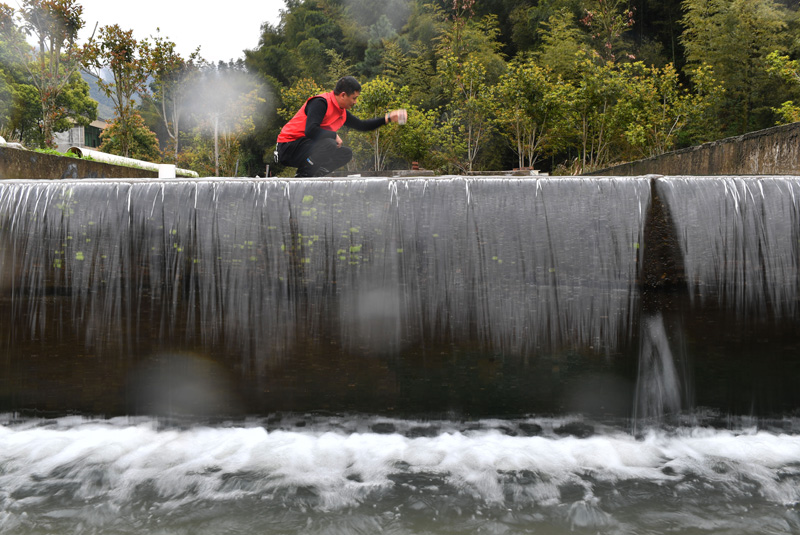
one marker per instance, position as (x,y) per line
(222,30)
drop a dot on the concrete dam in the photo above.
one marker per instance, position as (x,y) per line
(613,297)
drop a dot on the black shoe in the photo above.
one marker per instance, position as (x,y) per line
(309,172)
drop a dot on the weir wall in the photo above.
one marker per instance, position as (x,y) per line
(415,297)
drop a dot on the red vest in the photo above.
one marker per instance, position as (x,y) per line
(296,127)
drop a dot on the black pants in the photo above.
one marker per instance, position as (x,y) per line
(313,158)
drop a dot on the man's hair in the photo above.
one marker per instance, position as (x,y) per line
(347,84)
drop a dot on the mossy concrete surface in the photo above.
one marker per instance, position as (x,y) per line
(773,151)
(29,165)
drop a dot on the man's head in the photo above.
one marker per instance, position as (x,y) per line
(346,92)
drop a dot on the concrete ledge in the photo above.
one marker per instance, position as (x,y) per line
(29,165)
(773,151)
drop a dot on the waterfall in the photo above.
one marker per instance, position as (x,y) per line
(285,283)
(487,296)
(659,384)
(400,355)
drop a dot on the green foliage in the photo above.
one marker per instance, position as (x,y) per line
(379,18)
(378,96)
(75,106)
(172,76)
(607,21)
(295,96)
(6,104)
(25,115)
(469,64)
(788,112)
(118,51)
(417,140)
(659,108)
(225,101)
(526,21)
(562,44)
(570,84)
(528,106)
(789,71)
(49,68)
(735,37)
(132,140)
(296,48)
(784,67)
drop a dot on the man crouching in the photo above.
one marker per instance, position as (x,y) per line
(309,140)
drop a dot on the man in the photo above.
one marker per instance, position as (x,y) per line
(309,140)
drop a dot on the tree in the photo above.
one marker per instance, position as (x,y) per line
(469,63)
(6,106)
(526,22)
(417,140)
(296,48)
(10,67)
(658,108)
(295,96)
(54,24)
(734,37)
(594,98)
(171,79)
(117,51)
(226,99)
(410,67)
(75,105)
(337,67)
(377,97)
(133,139)
(787,70)
(527,107)
(470,106)
(562,44)
(607,20)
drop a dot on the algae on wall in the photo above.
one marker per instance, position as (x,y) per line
(773,151)
(29,165)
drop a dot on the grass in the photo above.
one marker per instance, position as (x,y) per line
(88,158)
(54,152)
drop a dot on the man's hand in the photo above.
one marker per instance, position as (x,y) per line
(338,141)
(397,116)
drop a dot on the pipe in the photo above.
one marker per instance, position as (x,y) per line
(11,145)
(164,170)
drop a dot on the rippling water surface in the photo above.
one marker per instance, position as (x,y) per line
(306,474)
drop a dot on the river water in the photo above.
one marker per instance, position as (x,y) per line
(400,356)
(356,474)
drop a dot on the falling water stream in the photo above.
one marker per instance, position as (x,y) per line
(448,355)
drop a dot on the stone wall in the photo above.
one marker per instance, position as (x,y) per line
(773,151)
(29,165)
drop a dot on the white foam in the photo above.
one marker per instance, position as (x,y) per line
(117,458)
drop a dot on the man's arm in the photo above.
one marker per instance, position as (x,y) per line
(316,109)
(363,126)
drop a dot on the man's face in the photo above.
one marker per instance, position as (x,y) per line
(348,101)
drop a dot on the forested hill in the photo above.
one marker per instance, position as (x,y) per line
(562,86)
(105,106)
(575,83)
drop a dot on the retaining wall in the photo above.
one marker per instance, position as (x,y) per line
(29,165)
(773,151)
